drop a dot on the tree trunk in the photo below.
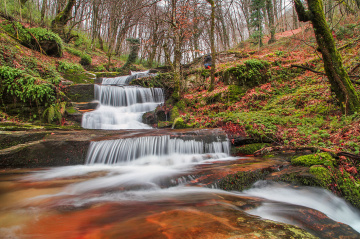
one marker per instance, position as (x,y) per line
(60,21)
(177,52)
(270,11)
(338,77)
(295,20)
(43,11)
(212,45)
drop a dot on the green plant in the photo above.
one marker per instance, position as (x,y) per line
(64,66)
(279,53)
(85,60)
(24,86)
(74,51)
(55,112)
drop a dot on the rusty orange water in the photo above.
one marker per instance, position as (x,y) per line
(40,208)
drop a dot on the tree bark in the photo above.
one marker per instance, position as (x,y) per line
(23,2)
(338,77)
(43,11)
(270,11)
(60,21)
(212,45)
(177,52)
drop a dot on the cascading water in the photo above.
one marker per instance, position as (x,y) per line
(121,105)
(162,150)
(156,183)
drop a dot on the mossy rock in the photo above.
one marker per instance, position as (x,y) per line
(79,77)
(106,74)
(314,159)
(250,74)
(164,124)
(80,92)
(322,174)
(179,123)
(39,39)
(248,148)
(242,180)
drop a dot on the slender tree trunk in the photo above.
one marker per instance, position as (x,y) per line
(177,51)
(295,19)
(338,77)
(43,11)
(270,11)
(212,45)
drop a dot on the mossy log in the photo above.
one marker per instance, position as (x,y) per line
(338,77)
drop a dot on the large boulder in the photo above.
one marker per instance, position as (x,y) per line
(39,39)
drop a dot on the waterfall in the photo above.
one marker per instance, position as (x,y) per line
(167,150)
(121,106)
(126,96)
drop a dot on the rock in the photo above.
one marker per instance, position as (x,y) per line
(80,92)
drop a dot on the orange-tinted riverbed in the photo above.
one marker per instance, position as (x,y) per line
(108,202)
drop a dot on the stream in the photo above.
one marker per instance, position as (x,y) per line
(160,186)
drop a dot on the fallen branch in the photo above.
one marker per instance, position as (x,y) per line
(348,44)
(308,69)
(357,66)
(323,73)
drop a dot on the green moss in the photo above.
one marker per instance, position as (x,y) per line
(39,39)
(314,159)
(252,73)
(179,123)
(303,179)
(106,74)
(322,174)
(242,180)
(249,148)
(164,124)
(71,110)
(174,113)
(235,92)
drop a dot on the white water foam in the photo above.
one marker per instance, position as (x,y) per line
(122,107)
(315,198)
(162,150)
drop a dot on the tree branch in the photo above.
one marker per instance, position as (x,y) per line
(303,15)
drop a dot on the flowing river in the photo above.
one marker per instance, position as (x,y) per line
(161,186)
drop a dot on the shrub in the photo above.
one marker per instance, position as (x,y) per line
(85,60)
(74,51)
(64,66)
(24,87)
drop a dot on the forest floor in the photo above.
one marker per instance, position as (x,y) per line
(292,106)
